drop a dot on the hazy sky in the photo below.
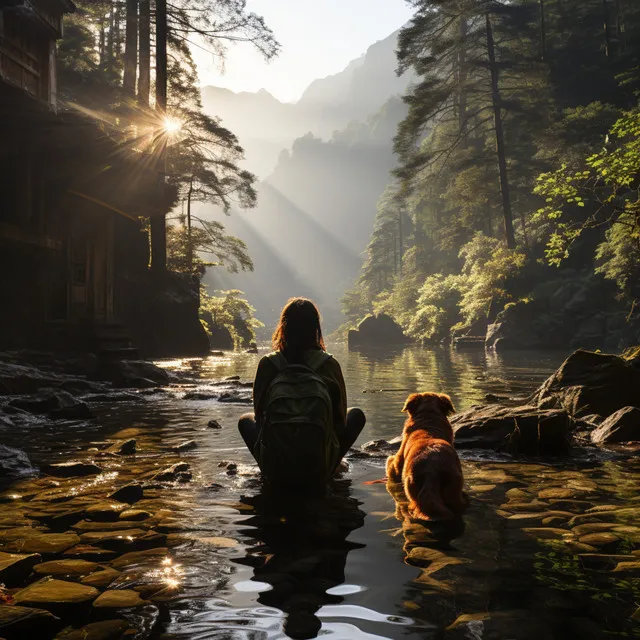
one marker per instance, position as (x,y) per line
(318,38)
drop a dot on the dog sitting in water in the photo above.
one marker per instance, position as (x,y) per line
(427,463)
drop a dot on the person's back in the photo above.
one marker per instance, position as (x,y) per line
(301,427)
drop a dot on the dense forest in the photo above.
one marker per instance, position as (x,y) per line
(515,199)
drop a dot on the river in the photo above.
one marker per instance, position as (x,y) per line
(246,568)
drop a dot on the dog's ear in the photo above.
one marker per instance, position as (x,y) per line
(445,404)
(411,403)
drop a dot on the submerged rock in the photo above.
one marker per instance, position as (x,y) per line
(15,568)
(123,448)
(119,599)
(174,473)
(55,403)
(521,430)
(72,469)
(136,374)
(591,383)
(22,623)
(65,568)
(129,493)
(621,426)
(104,630)
(58,596)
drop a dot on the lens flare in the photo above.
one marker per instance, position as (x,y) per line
(171,125)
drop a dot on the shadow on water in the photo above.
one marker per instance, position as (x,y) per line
(300,551)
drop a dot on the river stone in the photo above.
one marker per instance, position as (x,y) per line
(72,469)
(125,539)
(518,495)
(134,514)
(556,493)
(15,568)
(588,383)
(25,623)
(525,430)
(101,579)
(55,518)
(525,507)
(119,599)
(47,543)
(592,527)
(621,426)
(129,493)
(65,568)
(628,566)
(123,448)
(214,424)
(185,446)
(54,402)
(104,630)
(89,552)
(172,473)
(547,533)
(85,526)
(150,556)
(601,540)
(57,596)
(105,511)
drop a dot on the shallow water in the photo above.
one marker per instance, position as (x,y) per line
(252,567)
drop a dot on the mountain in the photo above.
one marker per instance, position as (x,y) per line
(325,161)
(265,126)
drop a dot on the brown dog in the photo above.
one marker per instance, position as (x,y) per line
(427,463)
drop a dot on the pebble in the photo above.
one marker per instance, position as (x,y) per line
(65,568)
(14,568)
(103,630)
(57,596)
(602,540)
(72,469)
(119,599)
(105,511)
(101,579)
(130,493)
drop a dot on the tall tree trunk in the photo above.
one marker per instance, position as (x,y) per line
(158,222)
(543,33)
(131,49)
(622,41)
(607,30)
(189,238)
(462,81)
(144,81)
(102,48)
(401,238)
(500,146)
(110,40)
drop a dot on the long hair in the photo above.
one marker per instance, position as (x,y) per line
(298,329)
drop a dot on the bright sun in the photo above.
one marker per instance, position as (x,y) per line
(172,125)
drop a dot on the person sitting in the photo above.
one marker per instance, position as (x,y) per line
(300,428)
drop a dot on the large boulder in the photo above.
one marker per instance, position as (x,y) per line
(377,331)
(589,382)
(54,402)
(621,426)
(221,338)
(518,430)
(14,463)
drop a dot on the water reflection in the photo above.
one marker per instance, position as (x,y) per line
(300,549)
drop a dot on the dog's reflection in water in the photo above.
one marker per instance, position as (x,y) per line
(301,551)
(423,533)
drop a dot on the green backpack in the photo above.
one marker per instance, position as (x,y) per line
(298,444)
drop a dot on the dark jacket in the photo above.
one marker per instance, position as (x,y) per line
(330,371)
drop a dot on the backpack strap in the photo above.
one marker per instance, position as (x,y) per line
(278,361)
(317,359)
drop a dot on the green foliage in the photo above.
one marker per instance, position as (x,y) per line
(230,310)
(602,192)
(488,265)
